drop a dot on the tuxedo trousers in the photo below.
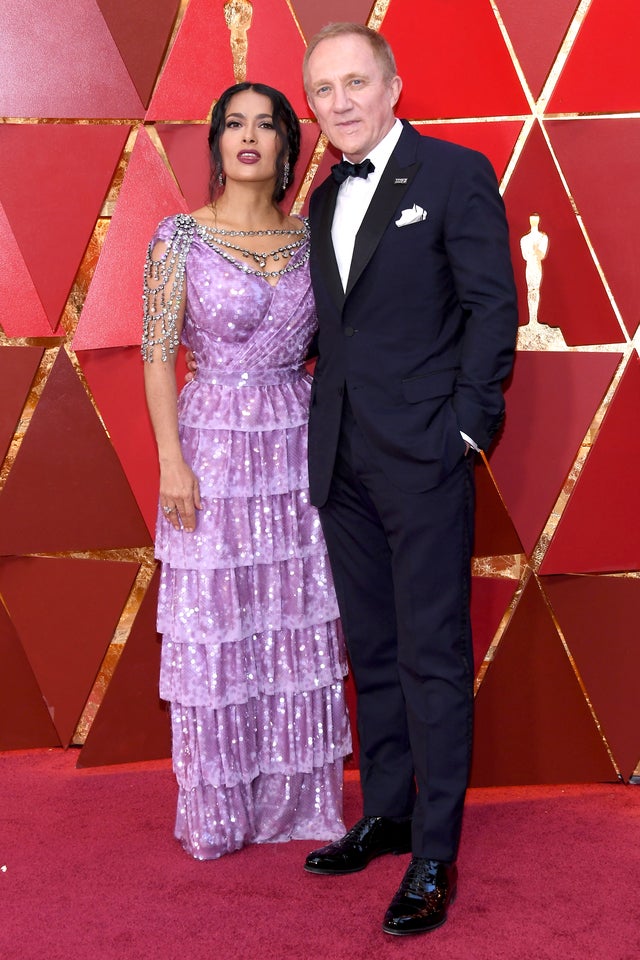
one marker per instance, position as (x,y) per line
(402,568)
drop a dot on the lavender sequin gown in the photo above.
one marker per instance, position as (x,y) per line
(252,656)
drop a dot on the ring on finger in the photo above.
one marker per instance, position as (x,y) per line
(167,509)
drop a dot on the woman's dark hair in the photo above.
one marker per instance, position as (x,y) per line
(286,126)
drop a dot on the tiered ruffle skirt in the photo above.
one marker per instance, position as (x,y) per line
(252,656)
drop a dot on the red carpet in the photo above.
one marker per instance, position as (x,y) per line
(90,870)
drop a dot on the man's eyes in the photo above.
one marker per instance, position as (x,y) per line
(324,91)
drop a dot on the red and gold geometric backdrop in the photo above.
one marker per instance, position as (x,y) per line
(105,105)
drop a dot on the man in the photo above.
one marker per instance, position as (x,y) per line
(417,323)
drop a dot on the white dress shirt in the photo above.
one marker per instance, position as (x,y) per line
(354,197)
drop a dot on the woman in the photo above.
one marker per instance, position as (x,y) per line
(252,656)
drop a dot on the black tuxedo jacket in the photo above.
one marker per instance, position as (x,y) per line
(424,334)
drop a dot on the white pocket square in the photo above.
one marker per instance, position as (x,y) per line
(414,215)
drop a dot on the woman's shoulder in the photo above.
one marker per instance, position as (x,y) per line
(174,226)
(297,222)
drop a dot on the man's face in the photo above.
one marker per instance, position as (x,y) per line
(349,94)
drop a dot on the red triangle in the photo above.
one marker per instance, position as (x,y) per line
(65,613)
(533,724)
(495,535)
(142,31)
(109,321)
(21,310)
(187,151)
(132,723)
(496,139)
(490,598)
(66,490)
(535,454)
(59,60)
(600,528)
(599,158)
(581,310)
(202,52)
(25,721)
(280,62)
(312,15)
(18,367)
(124,413)
(601,74)
(536,32)
(453,60)
(77,163)
(594,614)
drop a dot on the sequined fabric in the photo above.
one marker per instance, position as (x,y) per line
(252,655)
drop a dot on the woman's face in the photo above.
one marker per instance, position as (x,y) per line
(249,143)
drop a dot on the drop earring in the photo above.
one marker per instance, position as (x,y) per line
(285,175)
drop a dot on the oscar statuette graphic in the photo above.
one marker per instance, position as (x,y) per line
(237,15)
(534,335)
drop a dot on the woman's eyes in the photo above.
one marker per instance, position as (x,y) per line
(264,124)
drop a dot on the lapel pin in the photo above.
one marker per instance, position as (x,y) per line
(400,180)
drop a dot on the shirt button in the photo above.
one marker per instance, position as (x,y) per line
(349,331)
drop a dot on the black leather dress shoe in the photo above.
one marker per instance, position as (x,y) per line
(367,839)
(427,889)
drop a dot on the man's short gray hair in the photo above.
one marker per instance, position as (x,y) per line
(380,46)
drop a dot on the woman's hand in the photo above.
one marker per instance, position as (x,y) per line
(179,495)
(192,366)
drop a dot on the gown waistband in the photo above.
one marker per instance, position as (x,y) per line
(249,378)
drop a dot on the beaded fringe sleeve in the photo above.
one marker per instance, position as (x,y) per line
(164,290)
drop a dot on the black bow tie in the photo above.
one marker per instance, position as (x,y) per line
(344,169)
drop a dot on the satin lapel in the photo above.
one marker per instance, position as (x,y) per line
(391,189)
(323,246)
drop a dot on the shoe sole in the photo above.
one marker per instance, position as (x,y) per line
(410,933)
(337,872)
(434,926)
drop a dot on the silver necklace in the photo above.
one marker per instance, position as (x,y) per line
(212,236)
(260,259)
(252,233)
